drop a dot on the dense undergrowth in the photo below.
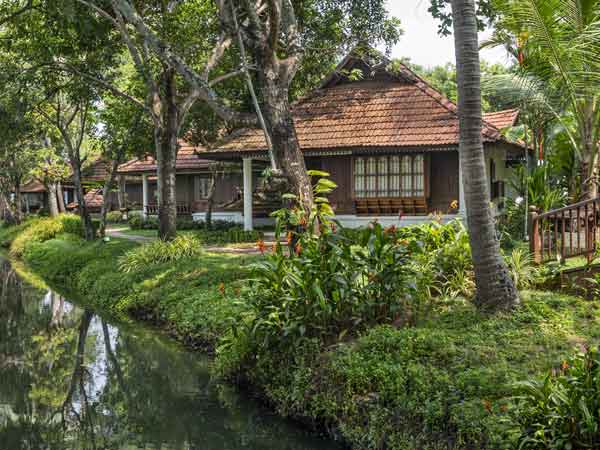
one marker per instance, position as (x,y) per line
(365,334)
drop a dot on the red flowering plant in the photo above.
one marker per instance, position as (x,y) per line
(326,285)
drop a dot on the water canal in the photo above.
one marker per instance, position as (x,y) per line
(72,379)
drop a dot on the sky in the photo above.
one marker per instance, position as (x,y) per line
(421,42)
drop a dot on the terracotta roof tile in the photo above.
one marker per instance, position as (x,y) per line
(186,160)
(370,114)
(502,119)
(97,171)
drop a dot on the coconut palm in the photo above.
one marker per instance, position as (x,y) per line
(557,43)
(495,287)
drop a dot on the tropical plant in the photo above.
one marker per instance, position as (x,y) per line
(495,288)
(557,45)
(160,252)
(522,269)
(327,285)
(562,411)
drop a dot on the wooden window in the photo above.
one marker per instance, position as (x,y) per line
(201,187)
(389,176)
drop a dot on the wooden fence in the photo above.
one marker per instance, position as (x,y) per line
(565,233)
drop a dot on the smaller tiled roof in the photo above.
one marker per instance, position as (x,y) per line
(97,171)
(93,200)
(33,187)
(502,119)
(187,159)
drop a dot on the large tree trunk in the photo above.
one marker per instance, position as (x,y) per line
(495,288)
(18,215)
(60,193)
(166,157)
(211,201)
(52,200)
(88,226)
(280,125)
(106,197)
(122,197)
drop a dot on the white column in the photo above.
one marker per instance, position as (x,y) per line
(145,196)
(247,164)
(462,207)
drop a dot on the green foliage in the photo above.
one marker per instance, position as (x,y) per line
(326,285)
(234,235)
(160,252)
(563,409)
(45,229)
(522,269)
(114,217)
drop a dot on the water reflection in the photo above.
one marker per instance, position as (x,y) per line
(71,380)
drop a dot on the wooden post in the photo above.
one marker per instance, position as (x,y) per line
(534,235)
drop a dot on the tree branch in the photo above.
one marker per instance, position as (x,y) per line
(107,86)
(164,52)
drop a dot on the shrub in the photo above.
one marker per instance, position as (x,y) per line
(327,285)
(521,268)
(114,217)
(42,230)
(562,411)
(160,252)
(230,236)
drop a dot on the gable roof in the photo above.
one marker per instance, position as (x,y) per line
(96,171)
(187,159)
(382,110)
(502,119)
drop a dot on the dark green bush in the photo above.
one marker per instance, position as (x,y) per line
(562,411)
(230,236)
(114,217)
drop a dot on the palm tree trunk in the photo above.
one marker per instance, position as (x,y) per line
(495,288)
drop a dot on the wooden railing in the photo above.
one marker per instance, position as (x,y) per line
(565,233)
(183,209)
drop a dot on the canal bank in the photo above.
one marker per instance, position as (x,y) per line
(445,382)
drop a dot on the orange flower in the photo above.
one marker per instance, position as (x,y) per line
(261,246)
(487,405)
(222,288)
(391,229)
(290,236)
(298,248)
(303,221)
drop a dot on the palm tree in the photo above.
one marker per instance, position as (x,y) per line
(557,43)
(495,288)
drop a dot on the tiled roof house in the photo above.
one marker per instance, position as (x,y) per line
(388,139)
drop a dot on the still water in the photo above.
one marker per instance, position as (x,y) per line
(71,379)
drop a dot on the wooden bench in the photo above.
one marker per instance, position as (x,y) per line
(391,206)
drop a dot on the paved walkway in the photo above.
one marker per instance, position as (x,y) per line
(118,233)
(243,249)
